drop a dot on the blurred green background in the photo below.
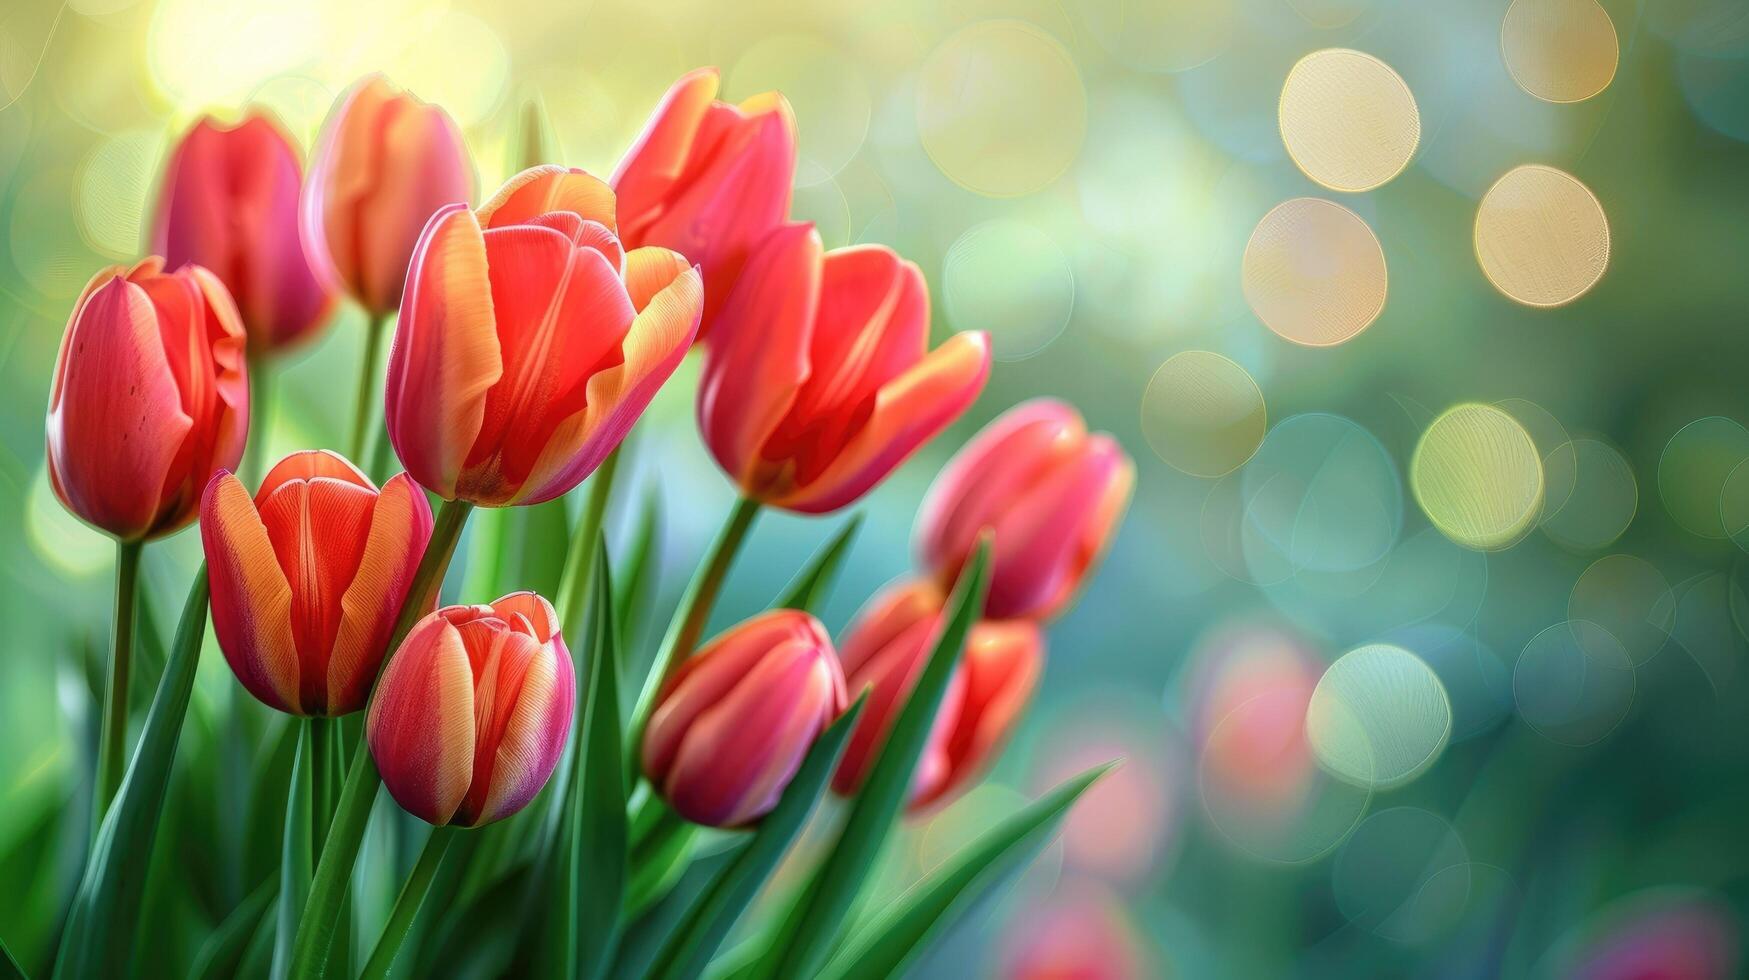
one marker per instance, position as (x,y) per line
(1543,772)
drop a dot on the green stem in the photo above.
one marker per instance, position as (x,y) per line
(689,619)
(113,736)
(362,415)
(580,558)
(382,959)
(260,418)
(346,832)
(322,782)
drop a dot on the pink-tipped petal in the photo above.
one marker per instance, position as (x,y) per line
(421,724)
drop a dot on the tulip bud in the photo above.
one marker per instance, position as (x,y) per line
(229,202)
(819,381)
(1053,495)
(708,179)
(733,723)
(385,162)
(472,712)
(150,398)
(530,341)
(309,576)
(885,652)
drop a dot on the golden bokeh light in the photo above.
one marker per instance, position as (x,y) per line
(113,185)
(1348,120)
(1478,476)
(1541,236)
(1009,278)
(1559,50)
(1314,273)
(1378,717)
(1001,109)
(1203,414)
(824,86)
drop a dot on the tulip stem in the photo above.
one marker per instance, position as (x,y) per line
(352,813)
(407,904)
(362,415)
(580,558)
(690,618)
(113,736)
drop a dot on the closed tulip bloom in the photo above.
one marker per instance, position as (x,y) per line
(229,203)
(385,162)
(708,179)
(885,653)
(530,341)
(473,710)
(733,723)
(308,576)
(1052,493)
(819,381)
(150,398)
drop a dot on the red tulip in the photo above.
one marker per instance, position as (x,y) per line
(472,712)
(1052,493)
(530,341)
(819,381)
(734,722)
(708,179)
(885,652)
(308,577)
(229,202)
(385,162)
(150,398)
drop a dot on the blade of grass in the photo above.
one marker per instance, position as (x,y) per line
(804,941)
(808,590)
(933,904)
(690,949)
(99,934)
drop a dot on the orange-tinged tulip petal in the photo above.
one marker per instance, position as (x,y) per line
(819,382)
(1052,493)
(229,203)
(733,723)
(150,398)
(384,164)
(473,711)
(308,577)
(526,350)
(885,652)
(708,179)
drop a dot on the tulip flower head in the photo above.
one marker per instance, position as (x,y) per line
(819,382)
(473,710)
(309,576)
(708,179)
(385,162)
(733,723)
(229,203)
(885,652)
(1052,493)
(150,398)
(530,341)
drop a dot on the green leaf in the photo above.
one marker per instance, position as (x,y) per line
(933,904)
(809,589)
(641,573)
(693,944)
(534,549)
(222,953)
(99,934)
(407,906)
(599,795)
(481,575)
(535,141)
(659,857)
(296,857)
(9,968)
(802,944)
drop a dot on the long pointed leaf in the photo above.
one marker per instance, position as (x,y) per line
(9,968)
(714,914)
(222,953)
(641,573)
(805,939)
(808,590)
(100,928)
(296,857)
(934,903)
(600,856)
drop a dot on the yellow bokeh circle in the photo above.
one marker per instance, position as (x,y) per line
(1348,119)
(1203,414)
(1001,109)
(1559,50)
(1379,717)
(1478,476)
(1542,238)
(1314,273)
